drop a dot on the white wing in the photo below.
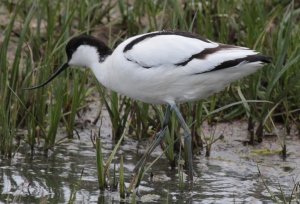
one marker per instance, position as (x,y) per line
(165,48)
(180,49)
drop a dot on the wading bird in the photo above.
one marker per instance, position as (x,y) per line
(163,67)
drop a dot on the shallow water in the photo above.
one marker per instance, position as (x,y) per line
(229,175)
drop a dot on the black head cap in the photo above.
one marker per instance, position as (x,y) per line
(75,42)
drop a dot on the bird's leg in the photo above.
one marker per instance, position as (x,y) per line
(159,136)
(187,140)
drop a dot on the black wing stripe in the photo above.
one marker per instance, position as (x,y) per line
(130,45)
(205,53)
(146,67)
(235,62)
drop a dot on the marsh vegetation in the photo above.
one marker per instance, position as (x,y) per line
(43,129)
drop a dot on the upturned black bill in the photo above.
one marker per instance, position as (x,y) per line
(55,74)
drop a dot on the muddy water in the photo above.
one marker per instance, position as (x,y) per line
(229,175)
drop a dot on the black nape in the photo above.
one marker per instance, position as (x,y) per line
(75,42)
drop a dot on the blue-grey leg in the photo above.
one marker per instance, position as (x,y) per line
(187,140)
(158,138)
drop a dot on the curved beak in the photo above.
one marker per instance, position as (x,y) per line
(55,74)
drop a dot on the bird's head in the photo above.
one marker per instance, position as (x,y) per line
(81,51)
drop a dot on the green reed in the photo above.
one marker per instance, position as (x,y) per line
(141,120)
(281,78)
(122,180)
(170,140)
(118,108)
(100,165)
(103,167)
(9,107)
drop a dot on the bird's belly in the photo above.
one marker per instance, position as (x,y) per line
(148,85)
(145,92)
(153,86)
(170,94)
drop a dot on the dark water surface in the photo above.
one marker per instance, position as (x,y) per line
(229,175)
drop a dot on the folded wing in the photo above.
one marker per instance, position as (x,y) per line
(186,50)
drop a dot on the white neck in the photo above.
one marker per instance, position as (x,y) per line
(88,56)
(101,71)
(85,55)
